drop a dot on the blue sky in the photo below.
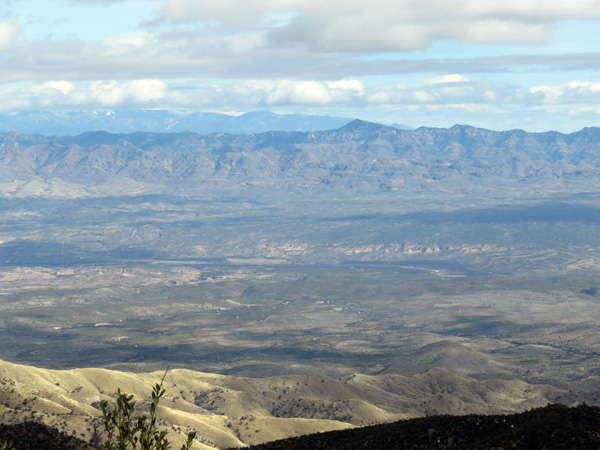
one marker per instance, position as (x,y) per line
(495,64)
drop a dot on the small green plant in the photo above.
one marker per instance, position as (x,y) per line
(6,445)
(125,431)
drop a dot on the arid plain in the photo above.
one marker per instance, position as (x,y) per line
(288,309)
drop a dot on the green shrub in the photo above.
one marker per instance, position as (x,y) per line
(124,431)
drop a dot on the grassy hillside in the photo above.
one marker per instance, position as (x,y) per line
(232,411)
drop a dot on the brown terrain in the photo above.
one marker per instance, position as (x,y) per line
(228,411)
(552,427)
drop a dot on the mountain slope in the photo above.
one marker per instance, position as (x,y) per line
(552,427)
(358,155)
(233,411)
(37,436)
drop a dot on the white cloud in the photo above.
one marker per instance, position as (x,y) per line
(584,86)
(8,33)
(124,43)
(532,10)
(114,94)
(230,12)
(444,90)
(240,53)
(245,95)
(571,92)
(347,85)
(90,95)
(437,92)
(303,56)
(65,87)
(585,111)
(438,101)
(455,94)
(385,25)
(449,78)
(97,2)
(287,92)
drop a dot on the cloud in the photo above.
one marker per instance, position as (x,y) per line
(286,92)
(452,89)
(244,95)
(448,78)
(436,92)
(435,101)
(384,25)
(64,87)
(224,12)
(590,110)
(65,95)
(304,55)
(585,92)
(239,53)
(114,94)
(446,90)
(8,33)
(97,2)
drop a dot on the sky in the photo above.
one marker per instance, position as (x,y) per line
(497,64)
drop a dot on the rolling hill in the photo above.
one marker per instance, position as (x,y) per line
(232,411)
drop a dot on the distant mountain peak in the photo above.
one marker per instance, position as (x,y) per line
(360,153)
(363,125)
(468,129)
(459,126)
(72,123)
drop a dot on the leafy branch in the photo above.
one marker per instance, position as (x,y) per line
(124,431)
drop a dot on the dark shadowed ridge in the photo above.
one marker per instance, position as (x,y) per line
(37,436)
(552,427)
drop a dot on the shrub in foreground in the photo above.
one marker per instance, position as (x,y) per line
(125,431)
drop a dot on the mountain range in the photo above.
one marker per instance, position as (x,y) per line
(358,155)
(137,279)
(51,123)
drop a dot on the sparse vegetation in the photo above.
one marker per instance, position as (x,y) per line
(350,280)
(553,427)
(124,431)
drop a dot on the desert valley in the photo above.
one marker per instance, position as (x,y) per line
(298,282)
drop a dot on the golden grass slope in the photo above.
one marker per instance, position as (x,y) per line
(231,411)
